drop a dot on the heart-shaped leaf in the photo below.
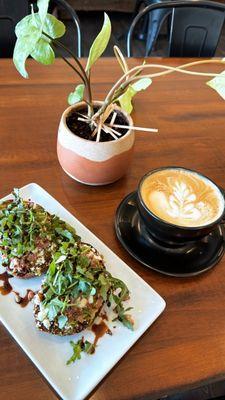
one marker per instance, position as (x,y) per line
(23,48)
(218,84)
(27,25)
(53,27)
(31,41)
(100,43)
(77,95)
(42,9)
(43,52)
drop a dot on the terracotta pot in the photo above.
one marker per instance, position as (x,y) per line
(94,163)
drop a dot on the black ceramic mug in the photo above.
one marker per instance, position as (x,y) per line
(170,232)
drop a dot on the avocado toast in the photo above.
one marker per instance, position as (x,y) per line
(29,236)
(76,287)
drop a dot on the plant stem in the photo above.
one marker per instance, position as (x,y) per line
(86,78)
(90,106)
(110,97)
(71,65)
(81,74)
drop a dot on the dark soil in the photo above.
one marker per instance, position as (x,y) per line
(83,130)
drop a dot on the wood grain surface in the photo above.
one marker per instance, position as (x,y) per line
(185,348)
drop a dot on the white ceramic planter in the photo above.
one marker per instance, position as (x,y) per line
(94,163)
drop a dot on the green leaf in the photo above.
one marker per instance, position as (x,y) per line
(56,302)
(83,261)
(77,95)
(62,320)
(61,259)
(53,27)
(83,286)
(43,52)
(89,348)
(127,321)
(27,25)
(100,43)
(52,268)
(93,291)
(141,84)
(23,48)
(52,312)
(77,349)
(42,9)
(65,233)
(125,99)
(218,84)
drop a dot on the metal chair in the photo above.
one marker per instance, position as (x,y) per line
(195,27)
(10,14)
(73,15)
(152,24)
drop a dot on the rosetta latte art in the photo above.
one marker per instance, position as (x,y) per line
(182,197)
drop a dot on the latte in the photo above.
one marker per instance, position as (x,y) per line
(182,197)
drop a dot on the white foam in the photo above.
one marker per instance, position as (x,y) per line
(183,206)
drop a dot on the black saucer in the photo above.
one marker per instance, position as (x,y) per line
(185,260)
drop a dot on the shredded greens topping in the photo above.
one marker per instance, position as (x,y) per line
(77,284)
(23,224)
(72,276)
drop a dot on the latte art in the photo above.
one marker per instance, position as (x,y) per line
(182,197)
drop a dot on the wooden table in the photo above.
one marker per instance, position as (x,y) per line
(185,348)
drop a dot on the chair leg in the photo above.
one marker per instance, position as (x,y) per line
(141,35)
(152,34)
(155,22)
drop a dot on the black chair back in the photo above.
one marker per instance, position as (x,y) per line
(195,32)
(195,27)
(10,13)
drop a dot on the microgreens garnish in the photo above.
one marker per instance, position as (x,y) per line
(23,224)
(79,347)
(72,277)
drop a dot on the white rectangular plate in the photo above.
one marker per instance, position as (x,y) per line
(49,353)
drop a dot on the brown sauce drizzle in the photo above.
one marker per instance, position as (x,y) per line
(23,301)
(104,316)
(99,330)
(6,288)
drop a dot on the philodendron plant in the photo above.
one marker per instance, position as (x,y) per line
(38,36)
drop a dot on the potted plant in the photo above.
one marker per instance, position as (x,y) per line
(95,138)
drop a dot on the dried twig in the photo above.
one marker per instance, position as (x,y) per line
(136,128)
(113,119)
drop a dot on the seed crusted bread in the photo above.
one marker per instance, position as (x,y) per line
(29,236)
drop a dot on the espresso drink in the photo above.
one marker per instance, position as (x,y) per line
(182,197)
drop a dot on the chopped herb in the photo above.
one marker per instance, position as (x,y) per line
(79,347)
(26,227)
(76,277)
